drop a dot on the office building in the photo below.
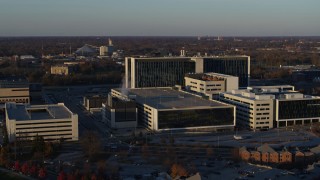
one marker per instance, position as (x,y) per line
(63,69)
(169,109)
(253,111)
(119,113)
(14,89)
(52,122)
(210,84)
(103,50)
(170,71)
(297,109)
(264,107)
(157,72)
(231,65)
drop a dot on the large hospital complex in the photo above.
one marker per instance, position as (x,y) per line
(204,86)
(168,93)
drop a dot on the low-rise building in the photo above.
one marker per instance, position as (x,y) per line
(119,113)
(268,154)
(264,107)
(253,111)
(62,69)
(169,109)
(14,90)
(244,153)
(255,156)
(285,156)
(52,122)
(296,109)
(210,84)
(94,102)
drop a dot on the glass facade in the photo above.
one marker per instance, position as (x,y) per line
(162,72)
(125,114)
(236,66)
(195,118)
(299,109)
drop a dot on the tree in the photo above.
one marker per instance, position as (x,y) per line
(25,168)
(209,151)
(171,140)
(93,176)
(71,176)
(178,170)
(140,134)
(38,144)
(17,166)
(62,176)
(163,141)
(101,169)
(90,143)
(42,173)
(33,170)
(5,136)
(49,149)
(4,156)
(145,151)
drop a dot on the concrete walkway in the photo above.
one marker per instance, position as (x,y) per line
(16,174)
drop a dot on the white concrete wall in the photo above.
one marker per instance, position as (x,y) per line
(19,95)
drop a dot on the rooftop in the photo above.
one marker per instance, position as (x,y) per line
(191,58)
(167,98)
(22,112)
(208,76)
(13,82)
(270,92)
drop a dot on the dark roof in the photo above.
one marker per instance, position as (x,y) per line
(265,148)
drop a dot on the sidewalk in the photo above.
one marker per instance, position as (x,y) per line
(16,174)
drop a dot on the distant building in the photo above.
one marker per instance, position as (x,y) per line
(87,50)
(170,71)
(168,109)
(210,84)
(27,57)
(259,107)
(14,89)
(103,50)
(52,122)
(63,69)
(308,75)
(119,113)
(106,50)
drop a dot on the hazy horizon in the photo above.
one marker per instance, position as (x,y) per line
(245,18)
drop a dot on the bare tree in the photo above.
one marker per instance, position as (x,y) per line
(91,143)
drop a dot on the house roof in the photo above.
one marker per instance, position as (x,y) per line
(265,148)
(243,148)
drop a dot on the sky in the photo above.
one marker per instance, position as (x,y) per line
(159,17)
